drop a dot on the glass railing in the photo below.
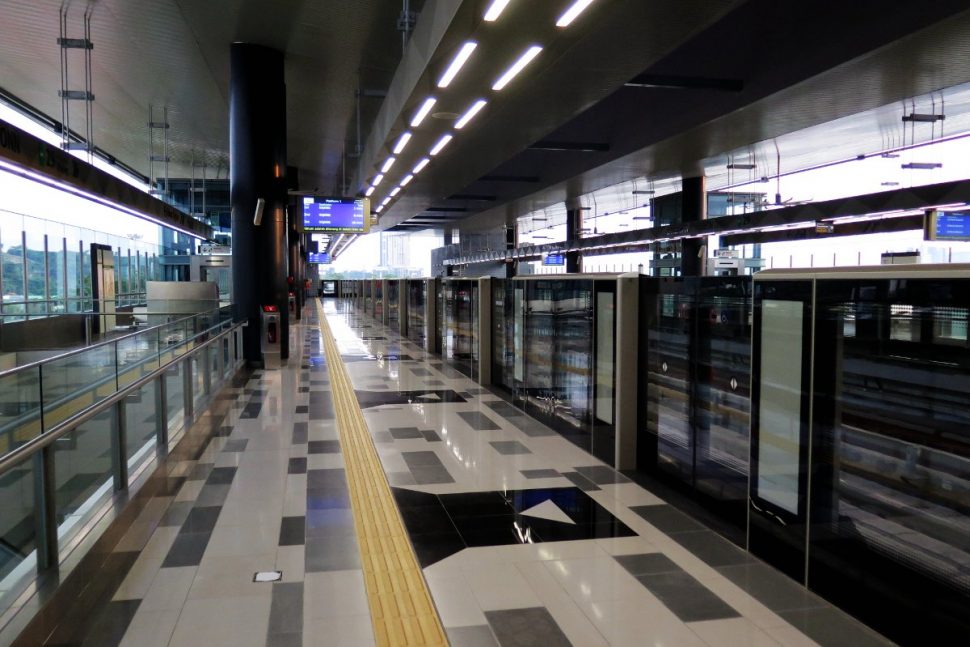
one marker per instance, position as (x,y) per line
(78,427)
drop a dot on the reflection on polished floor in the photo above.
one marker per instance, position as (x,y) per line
(524,539)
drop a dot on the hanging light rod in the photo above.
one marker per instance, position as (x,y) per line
(923,118)
(923,166)
(517,67)
(742,166)
(643,192)
(495,10)
(456,63)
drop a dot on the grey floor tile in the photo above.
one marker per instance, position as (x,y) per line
(236,445)
(832,628)
(421,459)
(284,640)
(478,420)
(200,472)
(540,474)
(431,475)
(329,522)
(713,549)
(531,428)
(176,513)
(187,549)
(323,447)
(337,553)
(201,519)
(292,531)
(647,563)
(667,518)
(689,600)
(300,430)
(297,465)
(602,475)
(509,447)
(504,409)
(400,478)
(474,636)
(286,609)
(404,433)
(773,589)
(581,481)
(334,478)
(111,623)
(212,496)
(431,435)
(221,476)
(533,627)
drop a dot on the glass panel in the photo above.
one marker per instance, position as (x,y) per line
(174,400)
(198,381)
(573,360)
(140,425)
(392,301)
(82,473)
(75,382)
(137,357)
(780,406)
(19,409)
(11,256)
(17,531)
(55,268)
(605,336)
(36,272)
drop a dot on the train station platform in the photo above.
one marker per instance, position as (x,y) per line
(388,499)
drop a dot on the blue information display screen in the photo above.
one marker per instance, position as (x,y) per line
(335,215)
(322,258)
(554,259)
(952,226)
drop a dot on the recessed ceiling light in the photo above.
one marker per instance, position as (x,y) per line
(402,141)
(385,201)
(423,111)
(369,192)
(470,113)
(395,191)
(388,164)
(407,180)
(517,67)
(378,209)
(495,10)
(456,63)
(573,12)
(420,165)
(377,180)
(441,144)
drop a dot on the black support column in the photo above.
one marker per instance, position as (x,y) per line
(511,266)
(574,226)
(257,169)
(694,209)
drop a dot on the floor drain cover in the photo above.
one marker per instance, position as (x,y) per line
(268,576)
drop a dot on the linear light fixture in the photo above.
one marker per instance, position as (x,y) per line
(407,180)
(369,192)
(377,180)
(573,12)
(395,191)
(643,192)
(470,114)
(385,201)
(402,141)
(923,118)
(438,147)
(388,163)
(379,209)
(420,165)
(742,166)
(495,10)
(456,63)
(923,166)
(517,67)
(423,111)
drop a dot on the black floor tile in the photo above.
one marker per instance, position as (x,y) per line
(509,447)
(478,421)
(221,476)
(666,518)
(300,431)
(647,563)
(322,479)
(533,627)
(201,519)
(581,481)
(427,519)
(111,623)
(187,550)
(405,433)
(475,504)
(323,447)
(433,547)
(773,589)
(297,465)
(830,627)
(689,600)
(602,475)
(421,459)
(713,549)
(407,498)
(238,445)
(292,531)
(540,474)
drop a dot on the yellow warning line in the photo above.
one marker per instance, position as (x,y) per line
(400,603)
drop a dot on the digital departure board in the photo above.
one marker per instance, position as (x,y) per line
(335,215)
(948,225)
(323,258)
(554,259)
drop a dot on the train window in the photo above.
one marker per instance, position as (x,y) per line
(848,319)
(904,323)
(950,325)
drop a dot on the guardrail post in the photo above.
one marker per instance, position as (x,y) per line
(119,446)
(45,513)
(187,396)
(206,367)
(161,414)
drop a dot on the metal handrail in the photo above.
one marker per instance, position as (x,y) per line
(113,340)
(31,447)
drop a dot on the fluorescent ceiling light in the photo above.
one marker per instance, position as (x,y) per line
(517,67)
(423,111)
(441,144)
(377,180)
(573,12)
(385,201)
(388,164)
(470,114)
(420,165)
(378,209)
(395,191)
(407,180)
(456,63)
(401,143)
(495,10)
(369,191)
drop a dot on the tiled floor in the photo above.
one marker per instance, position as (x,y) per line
(524,538)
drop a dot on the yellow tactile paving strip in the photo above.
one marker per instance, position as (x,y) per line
(400,603)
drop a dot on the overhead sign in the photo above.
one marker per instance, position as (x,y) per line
(947,225)
(554,259)
(323,258)
(335,215)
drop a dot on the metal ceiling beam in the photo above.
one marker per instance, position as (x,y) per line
(673,82)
